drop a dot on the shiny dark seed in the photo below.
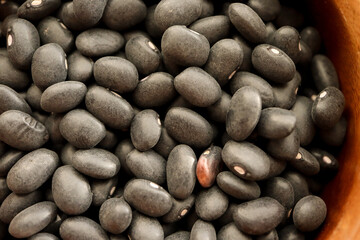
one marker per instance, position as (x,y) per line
(208,166)
(211,203)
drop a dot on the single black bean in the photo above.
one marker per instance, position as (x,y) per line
(309,213)
(181,171)
(265,210)
(145,129)
(103,190)
(63,96)
(81,227)
(226,56)
(306,163)
(123,148)
(242,79)
(143,227)
(4,27)
(82,129)
(281,190)
(188,127)
(150,24)
(246,64)
(208,166)
(11,76)
(180,235)
(43,236)
(304,123)
(116,73)
(123,14)
(33,97)
(202,230)
(285,148)
(22,41)
(236,187)
(80,67)
(71,190)
(214,28)
(32,170)
(217,112)
(68,17)
(305,55)
(52,30)
(244,113)
(285,94)
(298,183)
(291,233)
(276,123)
(246,160)
(323,72)
(312,38)
(276,167)
(335,136)
(184,46)
(267,10)
(109,141)
(179,209)
(96,163)
(115,215)
(171,12)
(11,100)
(247,22)
(231,232)
(328,107)
(98,42)
(89,13)
(165,143)
(34,10)
(328,163)
(211,203)
(197,87)
(272,235)
(273,64)
(8,159)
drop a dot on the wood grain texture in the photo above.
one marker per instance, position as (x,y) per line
(339,24)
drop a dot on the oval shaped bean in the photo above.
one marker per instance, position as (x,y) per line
(244,113)
(11,76)
(122,150)
(208,166)
(312,38)
(68,17)
(116,73)
(71,191)
(22,41)
(98,42)
(285,148)
(197,87)
(63,96)
(33,96)
(21,131)
(231,232)
(306,163)
(115,215)
(267,10)
(82,129)
(246,160)
(81,227)
(335,136)
(217,112)
(323,72)
(35,10)
(246,65)
(247,22)
(211,203)
(80,67)
(285,94)
(179,209)
(103,190)
(143,227)
(181,171)
(11,100)
(32,219)
(281,190)
(202,230)
(165,143)
(299,184)
(89,13)
(49,65)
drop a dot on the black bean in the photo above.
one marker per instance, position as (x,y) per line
(211,203)
(305,55)
(305,163)
(197,87)
(71,190)
(143,227)
(267,10)
(52,30)
(89,13)
(328,163)
(43,236)
(291,233)
(276,123)
(179,209)
(265,210)
(81,227)
(150,24)
(246,64)
(188,127)
(68,17)
(11,100)
(109,107)
(231,232)
(52,125)
(276,167)
(312,38)
(236,187)
(202,230)
(285,94)
(99,42)
(246,160)
(244,113)
(270,29)
(214,28)
(147,165)
(123,148)
(123,14)
(273,64)
(109,141)
(247,22)
(80,67)
(272,235)
(34,10)
(103,190)
(328,107)
(180,235)
(298,183)
(217,112)
(115,215)
(145,130)
(184,46)
(33,97)
(181,171)
(12,77)
(82,129)
(281,190)
(171,12)
(225,57)
(67,153)
(242,79)
(165,143)
(208,166)
(335,136)
(309,213)
(285,148)
(323,72)
(116,73)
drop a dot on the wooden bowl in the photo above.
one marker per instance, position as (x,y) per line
(339,24)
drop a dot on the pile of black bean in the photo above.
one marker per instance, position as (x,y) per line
(191,119)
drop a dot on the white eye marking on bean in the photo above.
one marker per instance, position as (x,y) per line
(66,64)
(313,97)
(298,156)
(323,94)
(151,45)
(112,190)
(9,40)
(296,90)
(300,47)
(289,213)
(194,32)
(115,93)
(36,2)
(232,74)
(158,121)
(274,50)
(206,152)
(183,212)
(239,170)
(144,79)
(154,185)
(129,237)
(63,25)
(327,160)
